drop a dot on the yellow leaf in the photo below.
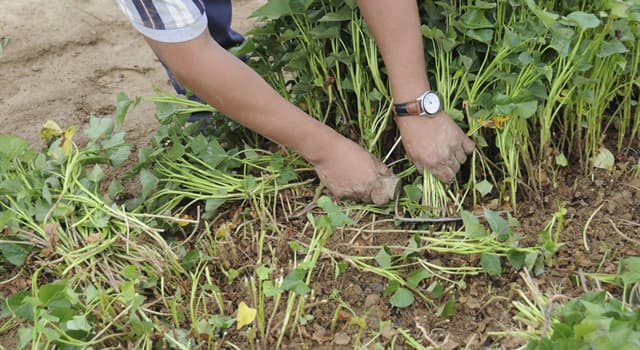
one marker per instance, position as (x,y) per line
(50,130)
(184,220)
(499,121)
(224,230)
(67,142)
(245,315)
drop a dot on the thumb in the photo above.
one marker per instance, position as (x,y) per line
(384,189)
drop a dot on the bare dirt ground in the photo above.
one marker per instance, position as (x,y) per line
(68,59)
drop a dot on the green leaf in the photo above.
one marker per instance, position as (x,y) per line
(413,192)
(12,146)
(273,9)
(436,289)
(337,217)
(484,187)
(547,18)
(115,189)
(608,48)
(211,205)
(344,14)
(415,277)
(383,258)
(472,226)
(516,258)
(294,281)
(52,291)
(96,175)
(491,264)
(561,160)
(148,181)
(263,272)
(119,155)
(270,290)
(122,107)
(79,323)
(448,308)
(25,336)
(99,127)
(401,298)
(475,19)
(499,225)
(481,35)
(15,253)
(526,109)
(583,20)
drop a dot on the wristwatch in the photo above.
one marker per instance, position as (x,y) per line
(428,104)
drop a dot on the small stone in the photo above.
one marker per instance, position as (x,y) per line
(371,300)
(388,332)
(35,68)
(341,339)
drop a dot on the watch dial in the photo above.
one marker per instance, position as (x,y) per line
(431,103)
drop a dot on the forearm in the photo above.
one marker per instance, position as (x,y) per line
(226,83)
(395,25)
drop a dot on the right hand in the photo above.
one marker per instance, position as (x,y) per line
(350,172)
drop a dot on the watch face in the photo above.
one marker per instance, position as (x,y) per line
(431,103)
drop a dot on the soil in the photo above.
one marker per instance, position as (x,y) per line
(68,59)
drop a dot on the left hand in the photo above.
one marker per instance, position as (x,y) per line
(437,144)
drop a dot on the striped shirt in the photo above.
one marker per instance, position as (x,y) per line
(169,21)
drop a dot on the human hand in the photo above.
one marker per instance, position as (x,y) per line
(437,144)
(348,171)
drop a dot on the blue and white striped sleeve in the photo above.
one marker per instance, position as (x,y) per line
(169,21)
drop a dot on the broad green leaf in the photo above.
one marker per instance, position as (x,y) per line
(337,217)
(344,14)
(96,175)
(211,205)
(115,189)
(99,127)
(447,309)
(547,18)
(526,109)
(122,107)
(294,282)
(245,315)
(484,187)
(583,20)
(608,48)
(417,276)
(413,192)
(604,159)
(79,323)
(561,40)
(475,19)
(436,289)
(263,272)
(383,258)
(472,226)
(270,290)
(401,298)
(148,181)
(12,146)
(561,160)
(482,35)
(517,259)
(273,9)
(15,253)
(52,291)
(498,224)
(25,336)
(491,264)
(119,155)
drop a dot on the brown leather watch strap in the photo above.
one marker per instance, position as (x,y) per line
(408,108)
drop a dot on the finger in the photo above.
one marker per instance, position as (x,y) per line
(444,174)
(384,189)
(468,145)
(453,164)
(461,157)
